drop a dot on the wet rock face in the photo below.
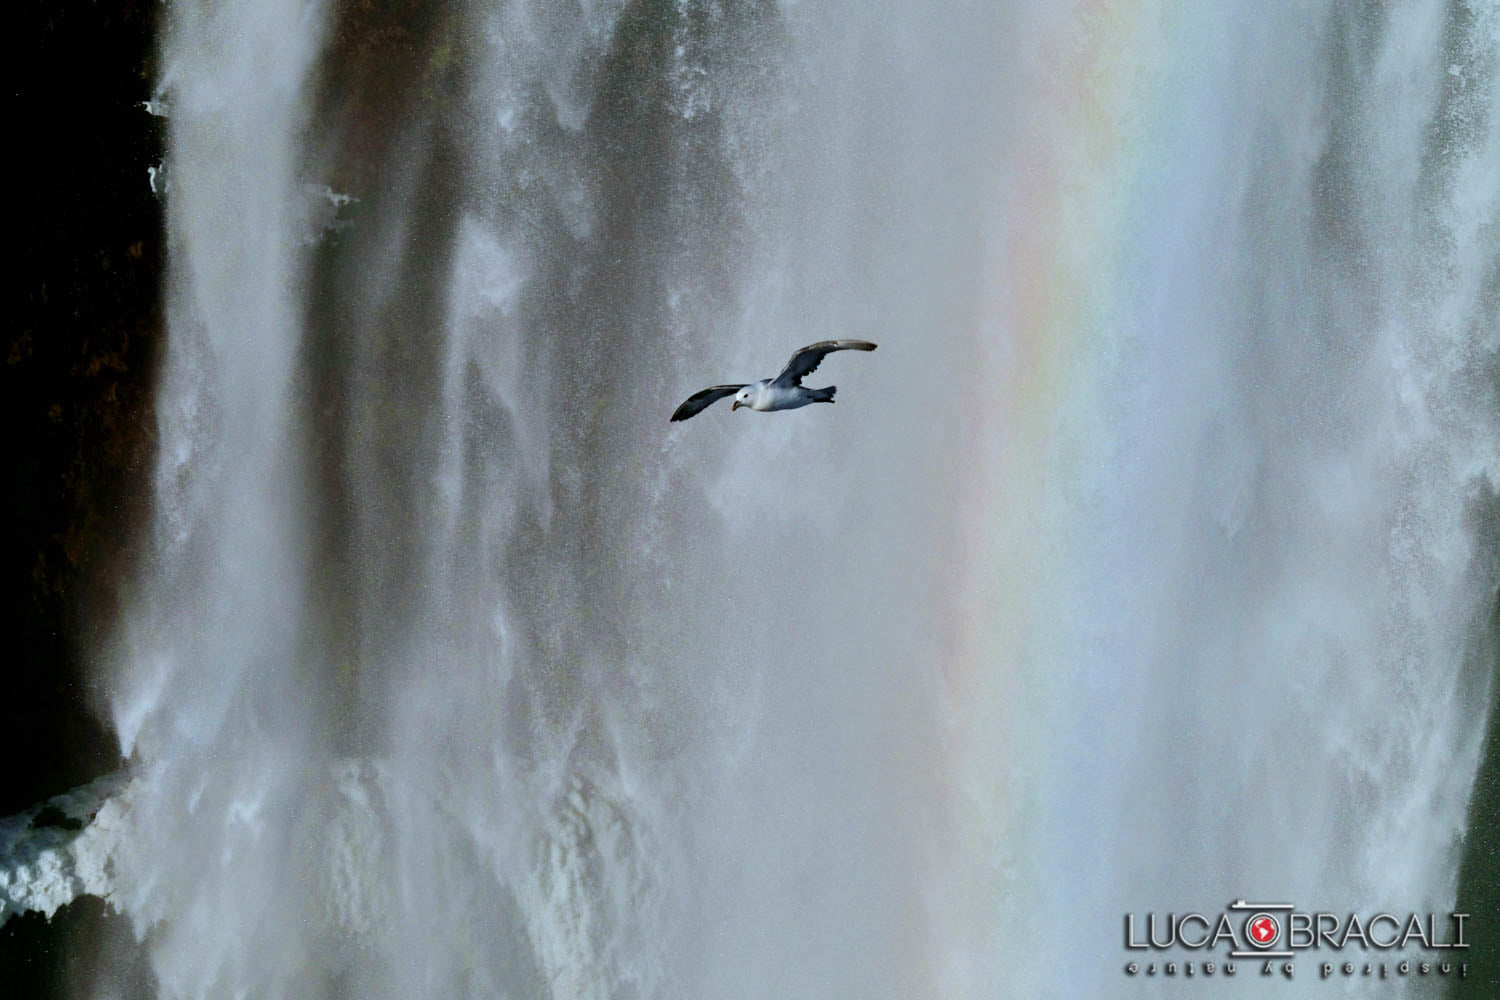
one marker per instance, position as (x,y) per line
(76,359)
(75,362)
(51,854)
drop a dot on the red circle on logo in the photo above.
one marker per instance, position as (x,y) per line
(1263,930)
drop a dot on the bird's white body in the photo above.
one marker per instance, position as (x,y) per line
(764,396)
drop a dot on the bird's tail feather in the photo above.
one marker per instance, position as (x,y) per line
(824,395)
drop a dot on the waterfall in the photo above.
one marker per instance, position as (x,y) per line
(1140,569)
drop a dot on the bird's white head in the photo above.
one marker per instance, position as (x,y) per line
(742,398)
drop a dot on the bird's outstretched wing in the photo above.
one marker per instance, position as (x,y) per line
(700,401)
(806,360)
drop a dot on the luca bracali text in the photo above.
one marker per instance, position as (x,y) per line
(1269,939)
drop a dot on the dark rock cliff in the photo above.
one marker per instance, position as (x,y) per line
(76,369)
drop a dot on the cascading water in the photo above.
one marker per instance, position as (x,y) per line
(1137,570)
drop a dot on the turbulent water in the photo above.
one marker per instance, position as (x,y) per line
(1139,569)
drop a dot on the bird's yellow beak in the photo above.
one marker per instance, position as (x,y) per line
(736,406)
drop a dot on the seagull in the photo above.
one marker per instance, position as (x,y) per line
(784,392)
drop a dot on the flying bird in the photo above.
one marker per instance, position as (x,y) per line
(784,392)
